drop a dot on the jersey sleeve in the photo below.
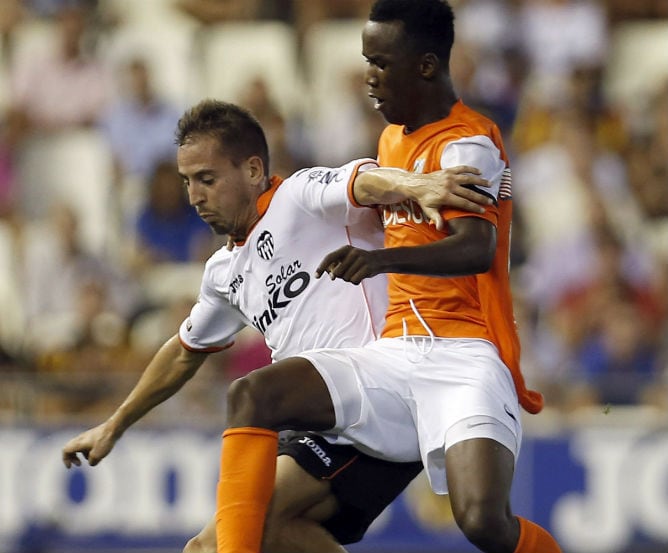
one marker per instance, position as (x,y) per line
(324,192)
(212,322)
(480,152)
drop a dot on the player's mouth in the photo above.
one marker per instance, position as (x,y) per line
(378,102)
(206,216)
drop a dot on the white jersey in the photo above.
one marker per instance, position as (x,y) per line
(268,281)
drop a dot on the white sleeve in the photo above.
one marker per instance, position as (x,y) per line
(212,322)
(480,152)
(324,191)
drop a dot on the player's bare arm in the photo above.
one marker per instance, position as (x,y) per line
(468,249)
(171,367)
(451,187)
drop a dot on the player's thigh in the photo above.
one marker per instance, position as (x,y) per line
(480,474)
(290,393)
(297,493)
(370,393)
(463,391)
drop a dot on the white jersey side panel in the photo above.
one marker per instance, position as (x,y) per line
(269,281)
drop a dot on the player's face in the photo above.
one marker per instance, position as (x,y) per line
(223,195)
(392,71)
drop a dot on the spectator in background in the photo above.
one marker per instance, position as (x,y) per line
(648,177)
(585,184)
(50,8)
(11,13)
(286,155)
(58,88)
(612,324)
(488,68)
(66,85)
(66,287)
(623,10)
(138,126)
(306,13)
(648,164)
(559,240)
(335,139)
(7,172)
(168,230)
(217,11)
(582,95)
(558,35)
(300,13)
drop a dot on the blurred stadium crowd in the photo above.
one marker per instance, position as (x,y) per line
(100,255)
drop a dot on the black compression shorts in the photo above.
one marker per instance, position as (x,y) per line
(363,485)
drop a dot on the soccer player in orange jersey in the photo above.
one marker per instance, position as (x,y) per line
(443,383)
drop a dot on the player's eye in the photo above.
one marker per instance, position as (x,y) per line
(375,62)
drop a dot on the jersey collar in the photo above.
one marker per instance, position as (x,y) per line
(263,202)
(265,198)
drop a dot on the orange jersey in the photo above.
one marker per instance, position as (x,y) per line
(476,306)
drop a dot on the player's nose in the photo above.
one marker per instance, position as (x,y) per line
(195,195)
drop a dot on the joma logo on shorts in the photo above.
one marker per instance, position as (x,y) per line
(315,448)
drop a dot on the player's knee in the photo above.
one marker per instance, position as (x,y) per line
(272,540)
(237,394)
(247,404)
(240,402)
(291,535)
(198,545)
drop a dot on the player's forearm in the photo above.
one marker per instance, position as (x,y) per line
(382,186)
(171,367)
(432,260)
(468,250)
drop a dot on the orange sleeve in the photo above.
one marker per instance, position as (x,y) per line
(491,214)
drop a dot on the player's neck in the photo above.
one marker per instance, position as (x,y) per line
(432,109)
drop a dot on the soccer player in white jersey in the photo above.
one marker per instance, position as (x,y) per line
(324,494)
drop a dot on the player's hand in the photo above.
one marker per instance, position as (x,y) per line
(448,188)
(94,444)
(348,263)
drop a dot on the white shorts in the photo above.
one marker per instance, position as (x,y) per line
(396,401)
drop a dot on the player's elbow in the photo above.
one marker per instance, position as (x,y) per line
(476,268)
(477,257)
(484,249)
(482,261)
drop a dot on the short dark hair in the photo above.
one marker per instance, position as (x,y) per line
(428,24)
(237,130)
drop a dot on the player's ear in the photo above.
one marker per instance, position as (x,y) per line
(255,168)
(429,65)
